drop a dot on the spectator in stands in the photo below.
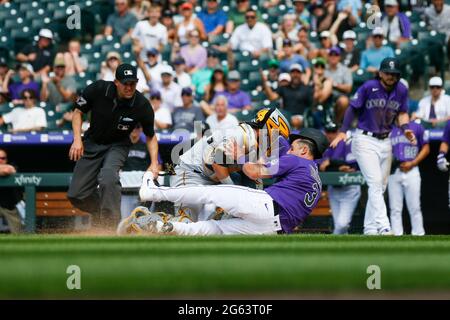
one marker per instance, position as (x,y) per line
(39,55)
(150,33)
(181,76)
(287,58)
(167,21)
(108,68)
(371,58)
(434,108)
(149,70)
(75,64)
(217,85)
(236,16)
(395,24)
(163,118)
(342,82)
(202,77)
(301,12)
(295,98)
(15,89)
(326,42)
(273,73)
(253,36)
(3,72)
(189,22)
(60,88)
(437,16)
(29,118)
(221,119)
(349,12)
(214,19)
(120,24)
(284,80)
(323,85)
(9,197)
(351,55)
(185,116)
(238,100)
(170,91)
(140,8)
(194,53)
(288,31)
(304,47)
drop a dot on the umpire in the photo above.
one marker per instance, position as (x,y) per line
(116,108)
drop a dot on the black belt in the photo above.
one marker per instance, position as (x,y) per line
(380,136)
(276,208)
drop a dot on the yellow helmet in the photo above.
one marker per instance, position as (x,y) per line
(274,123)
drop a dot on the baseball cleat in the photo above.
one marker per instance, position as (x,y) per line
(137,222)
(145,192)
(386,232)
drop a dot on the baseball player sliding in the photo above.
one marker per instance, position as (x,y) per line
(377,104)
(404,182)
(279,208)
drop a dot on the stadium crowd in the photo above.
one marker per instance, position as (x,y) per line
(220,61)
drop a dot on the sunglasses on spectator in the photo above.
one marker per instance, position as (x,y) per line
(28,98)
(250,17)
(378,36)
(155,98)
(435,87)
(112,58)
(241,1)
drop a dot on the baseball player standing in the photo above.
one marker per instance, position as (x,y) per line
(116,108)
(278,208)
(442,162)
(343,199)
(405,181)
(377,104)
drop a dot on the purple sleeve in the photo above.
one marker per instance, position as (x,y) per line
(405,25)
(348,119)
(404,102)
(446,136)
(282,165)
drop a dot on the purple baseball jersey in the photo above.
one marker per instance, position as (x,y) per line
(296,190)
(342,153)
(376,108)
(404,150)
(446,136)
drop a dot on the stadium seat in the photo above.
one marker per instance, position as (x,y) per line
(6,107)
(245,115)
(359,77)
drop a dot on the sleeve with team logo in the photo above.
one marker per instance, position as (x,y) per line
(282,166)
(359,98)
(85,101)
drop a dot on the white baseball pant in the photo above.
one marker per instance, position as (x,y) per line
(374,160)
(343,201)
(405,185)
(252,209)
(187,177)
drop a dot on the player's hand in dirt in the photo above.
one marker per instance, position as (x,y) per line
(340,136)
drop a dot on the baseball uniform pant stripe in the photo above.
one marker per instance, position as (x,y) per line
(343,201)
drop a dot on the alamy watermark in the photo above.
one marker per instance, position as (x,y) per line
(374,280)
(74,280)
(74,19)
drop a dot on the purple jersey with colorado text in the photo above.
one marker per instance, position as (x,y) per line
(404,150)
(296,190)
(446,136)
(376,108)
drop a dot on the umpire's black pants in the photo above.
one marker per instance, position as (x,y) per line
(95,185)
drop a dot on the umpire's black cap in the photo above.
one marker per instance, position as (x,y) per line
(390,65)
(126,72)
(316,136)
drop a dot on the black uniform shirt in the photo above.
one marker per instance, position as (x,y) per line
(113,119)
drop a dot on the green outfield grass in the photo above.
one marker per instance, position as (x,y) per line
(151,267)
